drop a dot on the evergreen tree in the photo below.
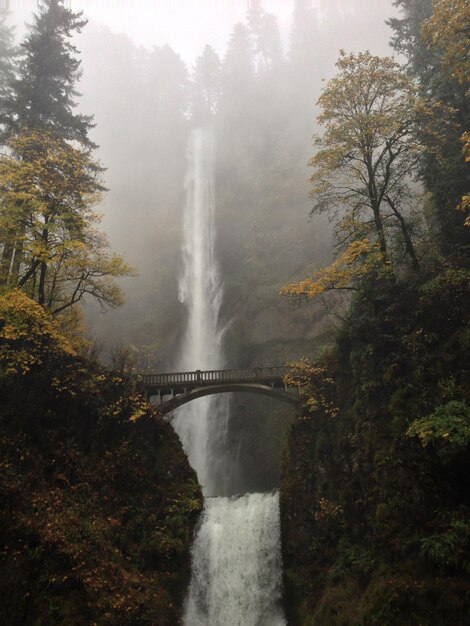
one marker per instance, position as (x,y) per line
(237,106)
(206,85)
(238,72)
(270,41)
(238,63)
(169,85)
(44,94)
(443,170)
(7,56)
(303,45)
(167,95)
(264,30)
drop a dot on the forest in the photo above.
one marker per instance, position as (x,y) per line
(299,199)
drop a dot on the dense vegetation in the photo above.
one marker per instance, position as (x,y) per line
(98,502)
(375,504)
(375,494)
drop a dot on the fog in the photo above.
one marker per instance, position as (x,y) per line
(147,85)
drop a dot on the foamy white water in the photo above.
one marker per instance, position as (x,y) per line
(236,572)
(201,424)
(236,558)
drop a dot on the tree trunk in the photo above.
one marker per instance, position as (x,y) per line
(16,261)
(6,262)
(406,236)
(43,268)
(42,283)
(379,227)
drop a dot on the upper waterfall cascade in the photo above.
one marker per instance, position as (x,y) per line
(201,290)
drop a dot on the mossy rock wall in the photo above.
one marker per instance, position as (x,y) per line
(375,522)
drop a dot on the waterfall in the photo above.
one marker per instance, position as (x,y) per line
(236,558)
(236,579)
(201,424)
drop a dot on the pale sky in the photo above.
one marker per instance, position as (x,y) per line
(186,25)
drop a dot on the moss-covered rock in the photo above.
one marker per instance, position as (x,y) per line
(375,499)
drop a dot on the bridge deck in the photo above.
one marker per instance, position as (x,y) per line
(198,377)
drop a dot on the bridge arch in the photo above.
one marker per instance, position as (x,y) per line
(184,398)
(184,387)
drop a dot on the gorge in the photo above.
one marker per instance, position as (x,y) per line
(273,195)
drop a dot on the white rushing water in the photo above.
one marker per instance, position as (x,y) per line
(201,424)
(236,558)
(236,578)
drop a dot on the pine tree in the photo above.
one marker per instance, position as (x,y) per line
(305,47)
(206,85)
(237,70)
(44,94)
(264,30)
(7,56)
(238,62)
(303,41)
(168,86)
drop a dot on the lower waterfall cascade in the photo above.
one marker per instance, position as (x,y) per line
(236,574)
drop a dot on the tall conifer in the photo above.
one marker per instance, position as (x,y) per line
(44,94)
(444,171)
(7,55)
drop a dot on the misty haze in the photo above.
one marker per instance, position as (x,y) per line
(234,280)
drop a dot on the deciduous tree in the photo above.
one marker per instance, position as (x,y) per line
(358,260)
(368,149)
(448,30)
(48,191)
(43,97)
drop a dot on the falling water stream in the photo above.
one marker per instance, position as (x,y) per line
(236,556)
(202,423)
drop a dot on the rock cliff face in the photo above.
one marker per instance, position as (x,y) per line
(267,332)
(277,332)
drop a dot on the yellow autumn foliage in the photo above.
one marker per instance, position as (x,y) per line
(464,205)
(315,386)
(448,30)
(28,335)
(358,260)
(54,251)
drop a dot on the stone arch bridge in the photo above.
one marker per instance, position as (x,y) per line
(170,391)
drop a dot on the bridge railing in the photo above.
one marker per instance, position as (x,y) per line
(206,376)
